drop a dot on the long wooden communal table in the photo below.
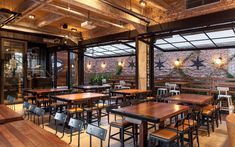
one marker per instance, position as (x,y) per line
(8,115)
(194,99)
(87,97)
(38,92)
(96,88)
(150,112)
(26,134)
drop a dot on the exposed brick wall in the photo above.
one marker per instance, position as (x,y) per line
(210,69)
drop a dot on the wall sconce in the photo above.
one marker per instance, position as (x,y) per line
(120,63)
(177,63)
(103,65)
(89,65)
(219,61)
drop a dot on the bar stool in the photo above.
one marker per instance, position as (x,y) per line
(223,93)
(123,127)
(172,89)
(163,90)
(97,132)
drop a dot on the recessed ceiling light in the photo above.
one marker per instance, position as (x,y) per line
(31,16)
(142,3)
(74,30)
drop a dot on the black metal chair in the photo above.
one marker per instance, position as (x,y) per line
(39,112)
(96,132)
(61,118)
(26,108)
(75,124)
(11,101)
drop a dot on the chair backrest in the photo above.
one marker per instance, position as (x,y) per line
(122,82)
(223,90)
(26,105)
(75,123)
(104,81)
(96,132)
(172,86)
(39,111)
(167,84)
(60,117)
(10,98)
(32,107)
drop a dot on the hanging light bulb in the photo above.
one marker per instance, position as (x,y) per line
(103,65)
(142,3)
(120,63)
(177,63)
(89,65)
(218,61)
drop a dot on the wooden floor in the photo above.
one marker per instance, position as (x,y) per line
(218,138)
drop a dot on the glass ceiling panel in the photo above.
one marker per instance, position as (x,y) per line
(120,46)
(183,45)
(160,41)
(175,38)
(194,37)
(224,41)
(203,43)
(108,47)
(221,34)
(166,46)
(132,44)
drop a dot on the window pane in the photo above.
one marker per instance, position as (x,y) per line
(183,45)
(196,37)
(221,34)
(224,41)
(203,43)
(166,46)
(175,38)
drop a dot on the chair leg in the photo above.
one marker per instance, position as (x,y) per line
(134,135)
(63,131)
(197,135)
(122,137)
(109,135)
(208,126)
(71,135)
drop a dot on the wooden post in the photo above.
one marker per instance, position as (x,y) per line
(55,70)
(141,64)
(69,71)
(80,66)
(151,65)
(1,73)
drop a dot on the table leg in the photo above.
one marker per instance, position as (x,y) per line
(143,134)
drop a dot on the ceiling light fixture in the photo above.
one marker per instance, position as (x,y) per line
(74,30)
(31,16)
(142,3)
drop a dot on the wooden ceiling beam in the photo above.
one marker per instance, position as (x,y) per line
(31,8)
(103,9)
(48,19)
(160,4)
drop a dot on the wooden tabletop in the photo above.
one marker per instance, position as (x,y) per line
(90,87)
(131,91)
(151,111)
(8,115)
(191,98)
(26,134)
(80,96)
(43,91)
(180,82)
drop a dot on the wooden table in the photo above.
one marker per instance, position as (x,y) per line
(131,91)
(45,91)
(195,99)
(8,115)
(96,88)
(26,134)
(87,97)
(150,112)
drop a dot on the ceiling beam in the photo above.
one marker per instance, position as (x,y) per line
(48,19)
(29,6)
(160,4)
(103,9)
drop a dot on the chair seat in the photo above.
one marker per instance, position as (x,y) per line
(58,104)
(164,134)
(74,110)
(190,122)
(162,89)
(206,112)
(121,124)
(101,105)
(43,100)
(174,91)
(180,128)
(224,96)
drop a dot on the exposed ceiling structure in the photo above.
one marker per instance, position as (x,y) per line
(81,19)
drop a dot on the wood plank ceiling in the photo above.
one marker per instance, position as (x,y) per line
(49,16)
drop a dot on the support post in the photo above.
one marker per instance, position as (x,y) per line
(151,65)
(1,73)
(55,70)
(80,66)
(69,71)
(141,64)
